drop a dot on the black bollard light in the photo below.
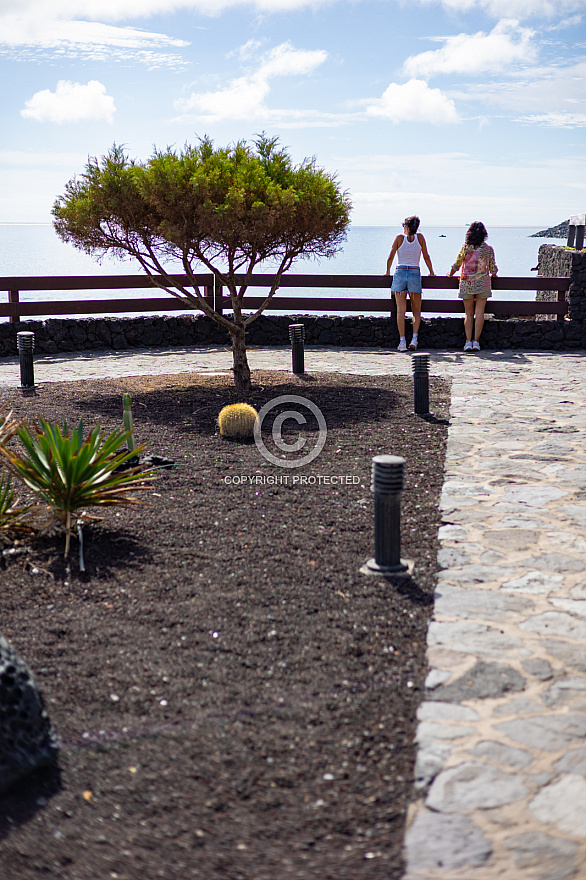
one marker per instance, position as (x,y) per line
(25,343)
(576,231)
(297,336)
(420,364)
(388,478)
(572,231)
(581,218)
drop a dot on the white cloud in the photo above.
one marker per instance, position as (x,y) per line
(242,99)
(548,95)
(414,101)
(557,120)
(285,60)
(25,36)
(245,96)
(507,44)
(18,30)
(572,22)
(521,9)
(71,102)
(115,10)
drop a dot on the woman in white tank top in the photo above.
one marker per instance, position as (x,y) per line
(407,279)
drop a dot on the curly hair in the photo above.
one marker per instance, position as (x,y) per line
(412,223)
(476,234)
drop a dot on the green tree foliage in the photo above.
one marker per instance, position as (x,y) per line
(229,209)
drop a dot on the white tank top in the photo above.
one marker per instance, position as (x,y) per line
(409,252)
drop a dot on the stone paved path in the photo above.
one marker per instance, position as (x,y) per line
(501,768)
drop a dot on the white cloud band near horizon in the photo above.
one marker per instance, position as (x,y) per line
(71,102)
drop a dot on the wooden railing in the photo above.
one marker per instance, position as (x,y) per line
(15,310)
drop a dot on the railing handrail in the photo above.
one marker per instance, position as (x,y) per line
(213,292)
(373,282)
(92,282)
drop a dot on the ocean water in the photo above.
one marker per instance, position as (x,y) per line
(35,249)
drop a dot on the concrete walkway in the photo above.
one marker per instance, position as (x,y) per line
(501,768)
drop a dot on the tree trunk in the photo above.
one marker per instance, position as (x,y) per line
(241,368)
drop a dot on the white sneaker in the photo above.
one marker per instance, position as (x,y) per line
(475,346)
(402,346)
(468,347)
(413,344)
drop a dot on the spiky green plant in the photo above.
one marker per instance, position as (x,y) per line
(8,425)
(11,515)
(128,423)
(69,473)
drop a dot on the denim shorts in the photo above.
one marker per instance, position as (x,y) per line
(406,279)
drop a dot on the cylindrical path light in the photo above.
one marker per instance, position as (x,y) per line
(297,336)
(25,343)
(576,231)
(572,231)
(581,218)
(388,479)
(420,364)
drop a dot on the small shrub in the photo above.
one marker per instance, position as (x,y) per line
(69,473)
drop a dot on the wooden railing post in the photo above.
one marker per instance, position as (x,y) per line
(14,297)
(218,293)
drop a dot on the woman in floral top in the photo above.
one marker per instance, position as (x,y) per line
(478,266)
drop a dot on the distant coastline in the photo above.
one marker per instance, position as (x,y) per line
(559,231)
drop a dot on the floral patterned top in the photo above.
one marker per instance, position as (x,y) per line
(478,265)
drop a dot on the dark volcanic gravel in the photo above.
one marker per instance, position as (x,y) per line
(233,698)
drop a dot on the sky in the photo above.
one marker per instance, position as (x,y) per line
(454,110)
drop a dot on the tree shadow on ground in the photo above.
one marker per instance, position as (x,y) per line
(194,408)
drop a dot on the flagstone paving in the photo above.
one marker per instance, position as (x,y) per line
(501,767)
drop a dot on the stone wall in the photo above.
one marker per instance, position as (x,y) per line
(56,335)
(554,260)
(577,291)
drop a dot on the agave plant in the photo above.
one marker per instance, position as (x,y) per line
(69,473)
(11,515)
(8,425)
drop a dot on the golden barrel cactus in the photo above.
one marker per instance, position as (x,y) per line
(237,421)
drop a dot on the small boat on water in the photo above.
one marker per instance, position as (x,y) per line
(442,235)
